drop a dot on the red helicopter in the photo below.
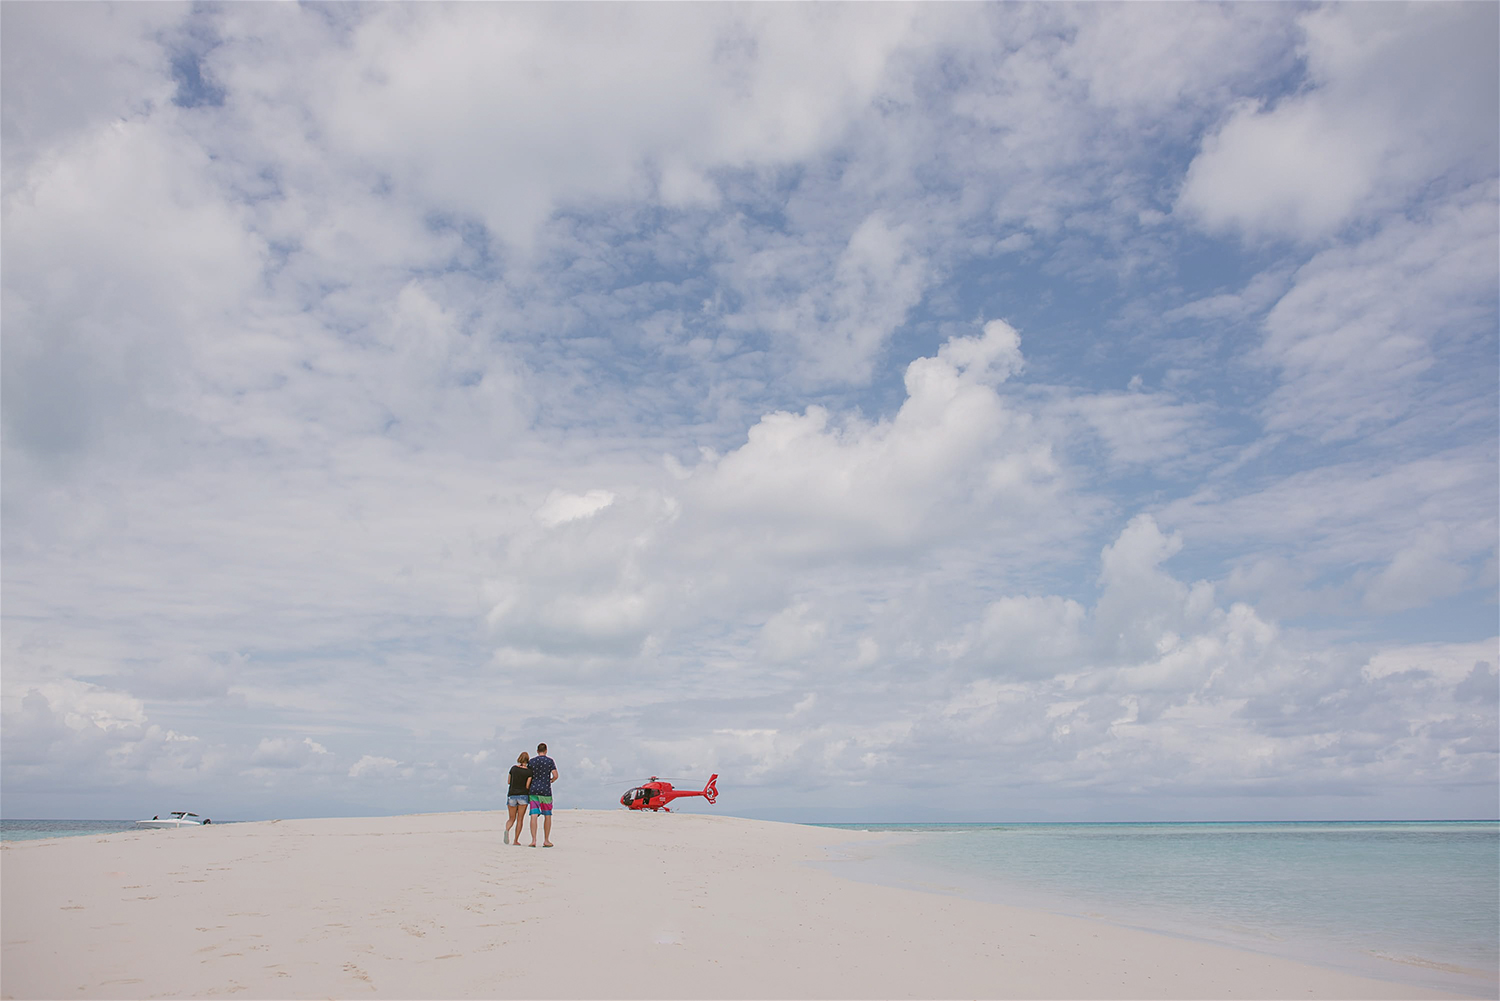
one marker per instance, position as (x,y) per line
(656,794)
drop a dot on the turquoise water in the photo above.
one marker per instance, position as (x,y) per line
(1417,902)
(32,830)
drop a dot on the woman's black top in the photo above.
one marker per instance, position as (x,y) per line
(518,776)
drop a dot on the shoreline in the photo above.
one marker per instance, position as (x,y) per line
(628,905)
(1397,962)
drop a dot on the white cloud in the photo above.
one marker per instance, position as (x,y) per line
(1447,663)
(1022,636)
(1364,323)
(374,766)
(81,706)
(851,306)
(1146,63)
(60,734)
(1141,603)
(803,490)
(1404,96)
(285,752)
(1255,298)
(1329,520)
(1213,699)
(793,632)
(68,71)
(128,247)
(1416,576)
(429,94)
(563,507)
(1138,428)
(184,677)
(953,457)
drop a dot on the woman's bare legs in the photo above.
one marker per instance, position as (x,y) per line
(517,816)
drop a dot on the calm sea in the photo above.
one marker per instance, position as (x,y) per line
(31,830)
(1414,902)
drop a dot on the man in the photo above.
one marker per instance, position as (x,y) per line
(543,774)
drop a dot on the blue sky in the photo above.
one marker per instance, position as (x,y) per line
(1045,411)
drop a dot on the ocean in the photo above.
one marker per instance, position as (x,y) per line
(1417,903)
(32,830)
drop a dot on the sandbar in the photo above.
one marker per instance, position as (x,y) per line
(628,905)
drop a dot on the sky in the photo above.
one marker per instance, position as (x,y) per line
(1012,412)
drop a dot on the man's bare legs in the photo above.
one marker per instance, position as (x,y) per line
(546,831)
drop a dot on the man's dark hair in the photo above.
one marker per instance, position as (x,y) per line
(541,748)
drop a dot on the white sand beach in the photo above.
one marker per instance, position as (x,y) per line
(626,906)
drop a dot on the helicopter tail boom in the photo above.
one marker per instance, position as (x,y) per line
(709,792)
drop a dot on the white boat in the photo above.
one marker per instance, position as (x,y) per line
(179,818)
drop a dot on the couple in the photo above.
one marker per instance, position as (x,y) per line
(531,781)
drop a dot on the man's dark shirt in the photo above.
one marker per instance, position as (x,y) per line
(541,775)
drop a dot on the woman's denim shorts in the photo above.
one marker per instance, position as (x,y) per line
(516,800)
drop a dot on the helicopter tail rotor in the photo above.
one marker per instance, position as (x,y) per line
(711,791)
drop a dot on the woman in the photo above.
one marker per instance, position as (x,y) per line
(516,798)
